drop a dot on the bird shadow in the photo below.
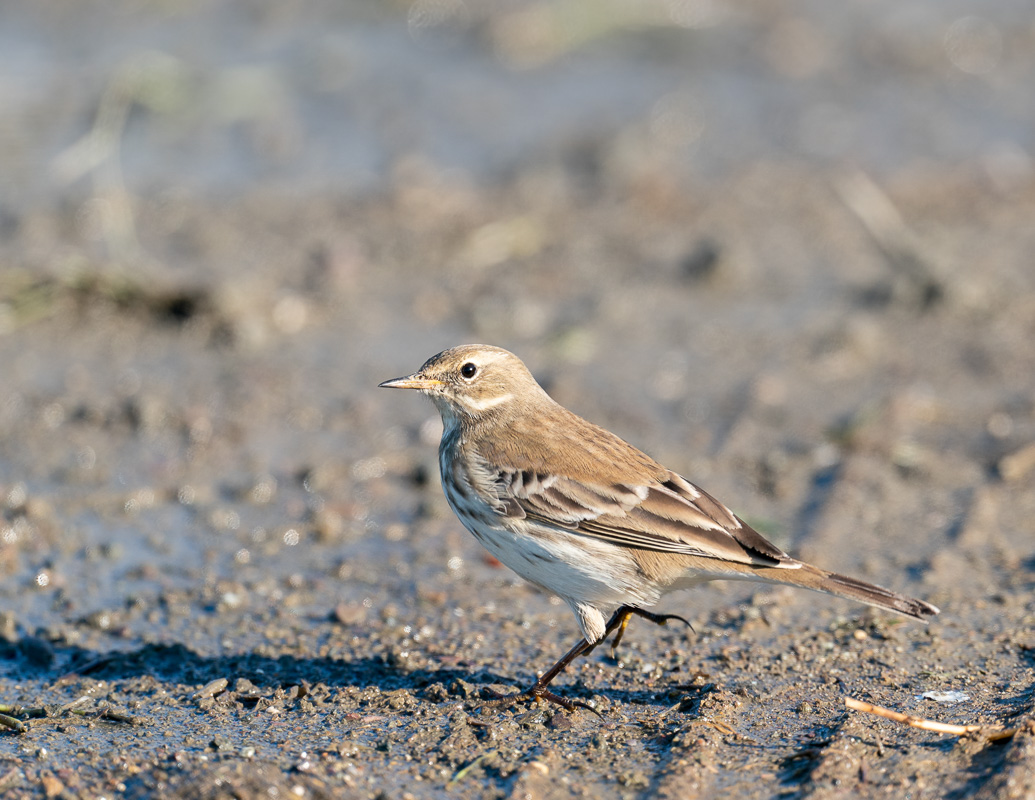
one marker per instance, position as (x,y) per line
(33,660)
(178,663)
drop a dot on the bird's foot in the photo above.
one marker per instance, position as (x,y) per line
(620,621)
(536,692)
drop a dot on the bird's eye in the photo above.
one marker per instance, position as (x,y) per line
(468,370)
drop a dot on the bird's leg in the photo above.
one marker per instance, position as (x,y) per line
(623,623)
(538,689)
(620,620)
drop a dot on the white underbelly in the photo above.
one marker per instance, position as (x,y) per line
(571,566)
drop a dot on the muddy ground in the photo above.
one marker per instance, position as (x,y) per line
(228,569)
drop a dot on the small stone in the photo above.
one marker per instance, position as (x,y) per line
(245,690)
(221,744)
(52,787)
(328,525)
(212,688)
(462,689)
(436,693)
(1017,464)
(349,613)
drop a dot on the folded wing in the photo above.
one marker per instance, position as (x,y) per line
(670,515)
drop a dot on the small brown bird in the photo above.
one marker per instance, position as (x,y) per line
(586,516)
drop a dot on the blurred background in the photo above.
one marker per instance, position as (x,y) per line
(784,247)
(216,98)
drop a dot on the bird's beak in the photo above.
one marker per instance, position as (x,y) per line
(414,381)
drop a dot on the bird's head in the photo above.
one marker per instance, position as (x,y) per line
(472,381)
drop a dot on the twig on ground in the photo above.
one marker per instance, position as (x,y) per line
(11,723)
(9,715)
(896,242)
(462,773)
(930,724)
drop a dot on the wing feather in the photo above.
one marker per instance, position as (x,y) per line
(592,483)
(651,517)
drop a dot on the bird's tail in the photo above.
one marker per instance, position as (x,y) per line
(809,577)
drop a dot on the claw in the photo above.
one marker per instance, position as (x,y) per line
(661,619)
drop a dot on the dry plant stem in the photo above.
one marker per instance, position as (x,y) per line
(11,723)
(463,772)
(9,714)
(22,711)
(885,225)
(928,724)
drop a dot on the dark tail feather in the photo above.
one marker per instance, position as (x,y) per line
(819,580)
